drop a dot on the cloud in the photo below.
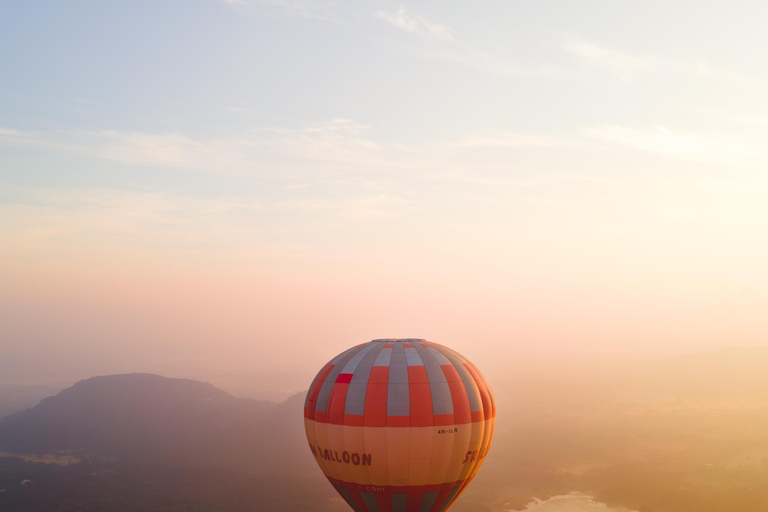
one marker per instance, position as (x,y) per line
(414,24)
(624,65)
(627,66)
(166,150)
(718,148)
(738,120)
(78,219)
(705,70)
(336,148)
(486,62)
(111,224)
(323,11)
(325,168)
(438,43)
(513,140)
(314,9)
(339,144)
(360,208)
(478,180)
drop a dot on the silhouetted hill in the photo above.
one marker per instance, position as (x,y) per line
(15,398)
(145,417)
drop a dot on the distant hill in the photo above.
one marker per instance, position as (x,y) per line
(15,398)
(144,417)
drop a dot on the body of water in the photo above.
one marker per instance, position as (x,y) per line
(571,502)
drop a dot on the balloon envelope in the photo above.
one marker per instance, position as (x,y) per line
(399,425)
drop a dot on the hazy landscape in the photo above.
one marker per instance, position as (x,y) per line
(661,434)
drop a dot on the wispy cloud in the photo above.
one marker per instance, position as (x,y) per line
(116,218)
(71,223)
(438,43)
(360,208)
(142,148)
(626,66)
(738,120)
(478,180)
(314,9)
(720,148)
(623,65)
(412,23)
(486,62)
(704,69)
(318,10)
(514,140)
(338,147)
(339,144)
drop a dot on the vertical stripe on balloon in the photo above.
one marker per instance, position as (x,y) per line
(461,404)
(484,395)
(356,395)
(337,401)
(398,401)
(399,502)
(428,501)
(348,498)
(384,502)
(442,403)
(376,397)
(325,391)
(414,500)
(420,397)
(370,501)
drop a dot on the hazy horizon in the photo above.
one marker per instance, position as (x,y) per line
(532,368)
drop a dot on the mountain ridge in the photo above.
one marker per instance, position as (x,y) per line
(147,417)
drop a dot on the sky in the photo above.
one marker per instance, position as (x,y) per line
(248,187)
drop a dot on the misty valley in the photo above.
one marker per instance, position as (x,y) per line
(675,434)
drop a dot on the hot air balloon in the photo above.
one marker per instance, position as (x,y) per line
(399,425)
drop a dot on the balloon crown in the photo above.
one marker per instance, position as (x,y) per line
(397,340)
